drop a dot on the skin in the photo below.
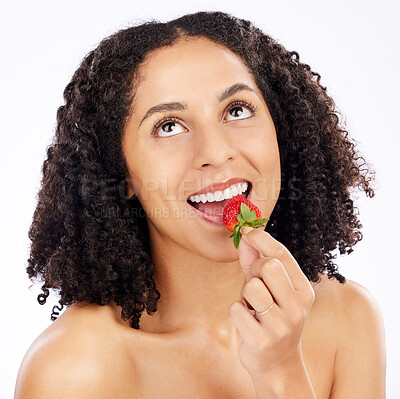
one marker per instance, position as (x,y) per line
(190,346)
(210,149)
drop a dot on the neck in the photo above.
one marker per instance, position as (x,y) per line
(196,292)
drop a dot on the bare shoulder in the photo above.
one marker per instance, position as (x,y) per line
(331,288)
(78,355)
(326,287)
(351,304)
(350,298)
(359,335)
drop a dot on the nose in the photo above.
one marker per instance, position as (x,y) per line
(213,146)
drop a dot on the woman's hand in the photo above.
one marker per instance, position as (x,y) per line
(271,342)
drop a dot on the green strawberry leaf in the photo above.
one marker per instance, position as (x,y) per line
(240,218)
(259,222)
(236,239)
(246,218)
(245,211)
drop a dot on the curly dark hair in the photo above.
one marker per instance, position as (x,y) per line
(91,243)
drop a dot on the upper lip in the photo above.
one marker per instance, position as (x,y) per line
(219,186)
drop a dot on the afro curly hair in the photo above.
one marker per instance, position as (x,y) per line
(89,242)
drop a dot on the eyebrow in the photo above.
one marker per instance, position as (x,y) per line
(177,106)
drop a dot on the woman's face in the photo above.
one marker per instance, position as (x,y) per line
(210,139)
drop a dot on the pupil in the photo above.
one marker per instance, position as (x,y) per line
(168,123)
(236,108)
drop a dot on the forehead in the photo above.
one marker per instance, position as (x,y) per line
(195,66)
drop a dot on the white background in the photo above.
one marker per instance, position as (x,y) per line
(352,44)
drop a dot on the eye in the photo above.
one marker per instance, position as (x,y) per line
(240,108)
(169,124)
(166,125)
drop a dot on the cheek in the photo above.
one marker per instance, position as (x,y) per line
(157,179)
(273,166)
(267,162)
(158,166)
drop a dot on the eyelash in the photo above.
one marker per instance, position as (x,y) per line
(253,108)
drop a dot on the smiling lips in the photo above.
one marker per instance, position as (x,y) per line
(220,186)
(214,203)
(231,191)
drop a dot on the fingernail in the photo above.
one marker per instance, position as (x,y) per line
(245,229)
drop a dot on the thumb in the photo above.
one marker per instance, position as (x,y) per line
(247,255)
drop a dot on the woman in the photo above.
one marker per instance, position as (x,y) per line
(153,116)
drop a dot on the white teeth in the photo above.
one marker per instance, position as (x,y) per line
(227,193)
(217,196)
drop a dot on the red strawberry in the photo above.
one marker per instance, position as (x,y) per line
(238,212)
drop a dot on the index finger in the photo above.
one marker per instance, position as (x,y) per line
(268,246)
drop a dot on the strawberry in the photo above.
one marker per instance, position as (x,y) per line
(238,212)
